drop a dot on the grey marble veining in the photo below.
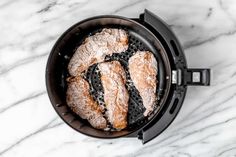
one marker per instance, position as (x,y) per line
(206,124)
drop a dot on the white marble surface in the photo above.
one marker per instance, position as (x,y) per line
(206,124)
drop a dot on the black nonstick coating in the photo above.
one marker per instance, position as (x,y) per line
(139,39)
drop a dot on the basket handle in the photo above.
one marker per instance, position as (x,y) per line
(197,77)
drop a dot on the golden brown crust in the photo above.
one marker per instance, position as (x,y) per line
(93,50)
(143,72)
(96,47)
(116,96)
(82,103)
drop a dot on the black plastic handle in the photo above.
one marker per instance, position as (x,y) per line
(197,77)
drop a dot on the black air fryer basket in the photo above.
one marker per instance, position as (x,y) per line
(148,32)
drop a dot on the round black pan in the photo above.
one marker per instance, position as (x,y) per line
(140,38)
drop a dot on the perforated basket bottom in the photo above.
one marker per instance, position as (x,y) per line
(136,108)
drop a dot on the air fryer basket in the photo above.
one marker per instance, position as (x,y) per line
(173,75)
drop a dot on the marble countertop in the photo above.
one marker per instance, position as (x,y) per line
(206,124)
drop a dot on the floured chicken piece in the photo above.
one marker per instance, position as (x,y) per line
(116,96)
(143,72)
(82,103)
(96,47)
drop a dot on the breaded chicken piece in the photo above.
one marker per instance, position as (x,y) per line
(116,96)
(143,72)
(82,103)
(96,47)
